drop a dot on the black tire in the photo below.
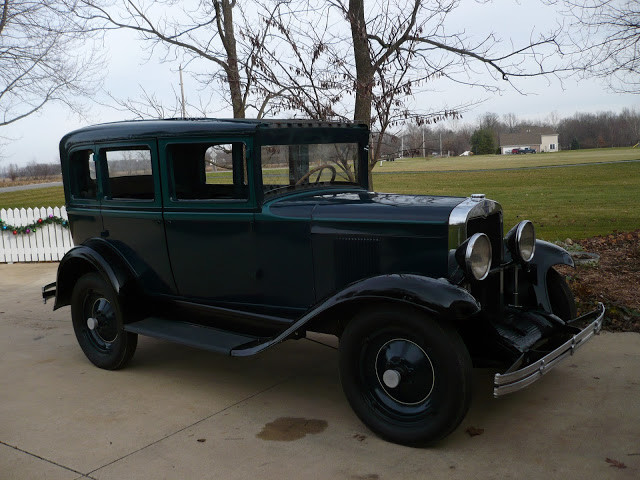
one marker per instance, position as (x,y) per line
(432,370)
(106,345)
(561,298)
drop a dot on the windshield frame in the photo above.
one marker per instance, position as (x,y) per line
(313,135)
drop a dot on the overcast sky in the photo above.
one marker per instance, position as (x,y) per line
(36,138)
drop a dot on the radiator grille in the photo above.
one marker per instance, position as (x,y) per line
(492,227)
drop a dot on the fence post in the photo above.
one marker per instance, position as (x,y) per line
(4,246)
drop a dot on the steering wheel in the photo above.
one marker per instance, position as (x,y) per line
(318,169)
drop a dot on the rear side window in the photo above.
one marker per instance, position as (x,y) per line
(130,175)
(83,175)
(209,171)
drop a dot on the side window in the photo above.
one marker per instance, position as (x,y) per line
(130,175)
(209,171)
(83,175)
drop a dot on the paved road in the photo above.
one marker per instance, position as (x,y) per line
(180,413)
(30,187)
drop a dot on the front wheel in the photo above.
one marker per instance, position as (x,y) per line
(406,376)
(98,323)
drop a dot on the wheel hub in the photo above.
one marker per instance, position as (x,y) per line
(92,323)
(101,322)
(391,378)
(404,371)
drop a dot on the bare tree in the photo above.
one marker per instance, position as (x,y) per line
(418,28)
(511,122)
(606,37)
(396,40)
(299,61)
(297,55)
(314,67)
(204,36)
(43,58)
(149,105)
(553,119)
(603,129)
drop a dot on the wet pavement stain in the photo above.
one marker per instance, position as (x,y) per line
(287,429)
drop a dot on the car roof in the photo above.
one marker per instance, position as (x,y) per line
(134,129)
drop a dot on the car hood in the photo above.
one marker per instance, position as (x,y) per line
(366,206)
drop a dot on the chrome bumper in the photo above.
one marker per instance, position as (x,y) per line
(512,381)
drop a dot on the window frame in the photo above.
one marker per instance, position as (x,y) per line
(302,135)
(169,197)
(102,165)
(72,198)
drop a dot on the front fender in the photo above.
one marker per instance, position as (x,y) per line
(436,296)
(547,255)
(96,255)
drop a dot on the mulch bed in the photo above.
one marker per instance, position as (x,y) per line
(614,280)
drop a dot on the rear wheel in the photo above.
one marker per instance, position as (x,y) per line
(563,304)
(98,323)
(406,376)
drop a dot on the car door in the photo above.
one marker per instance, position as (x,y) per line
(132,210)
(209,210)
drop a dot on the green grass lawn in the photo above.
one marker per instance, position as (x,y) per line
(563,202)
(490,162)
(37,197)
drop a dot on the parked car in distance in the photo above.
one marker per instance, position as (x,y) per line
(236,235)
(524,150)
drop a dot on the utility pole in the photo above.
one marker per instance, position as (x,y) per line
(402,146)
(184,111)
(424,147)
(440,144)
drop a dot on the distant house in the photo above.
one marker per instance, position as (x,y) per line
(540,142)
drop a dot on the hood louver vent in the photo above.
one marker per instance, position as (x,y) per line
(356,258)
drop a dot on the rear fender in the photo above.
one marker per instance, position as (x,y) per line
(547,255)
(95,255)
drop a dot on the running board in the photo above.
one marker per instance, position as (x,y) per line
(198,336)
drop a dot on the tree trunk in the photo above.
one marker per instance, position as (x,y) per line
(224,10)
(364,67)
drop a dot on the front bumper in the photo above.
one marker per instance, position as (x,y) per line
(513,380)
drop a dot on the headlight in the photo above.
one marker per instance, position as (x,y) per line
(474,255)
(521,241)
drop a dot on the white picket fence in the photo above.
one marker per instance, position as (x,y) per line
(48,243)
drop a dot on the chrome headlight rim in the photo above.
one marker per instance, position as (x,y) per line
(525,230)
(471,246)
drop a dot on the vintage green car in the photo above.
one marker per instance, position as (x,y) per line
(235,235)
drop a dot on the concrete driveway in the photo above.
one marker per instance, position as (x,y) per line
(180,413)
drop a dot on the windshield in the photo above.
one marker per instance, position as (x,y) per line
(302,166)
